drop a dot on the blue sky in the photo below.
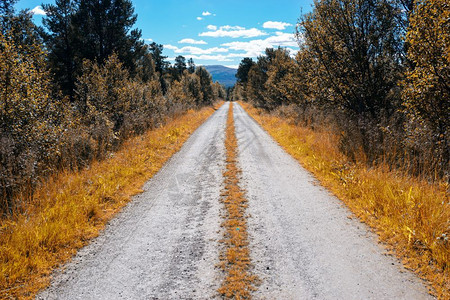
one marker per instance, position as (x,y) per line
(213,32)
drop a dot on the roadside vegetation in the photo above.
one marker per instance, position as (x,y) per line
(365,105)
(88,112)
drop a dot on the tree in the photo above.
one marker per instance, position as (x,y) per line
(6,9)
(19,27)
(180,64)
(357,46)
(192,88)
(161,65)
(160,61)
(146,66)
(60,43)
(191,65)
(426,92)
(205,86)
(90,29)
(100,91)
(285,82)
(178,68)
(103,27)
(6,14)
(255,89)
(244,67)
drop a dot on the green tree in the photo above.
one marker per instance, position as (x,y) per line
(244,67)
(191,65)
(161,64)
(6,12)
(146,66)
(205,86)
(255,89)
(156,51)
(104,27)
(180,64)
(192,87)
(60,43)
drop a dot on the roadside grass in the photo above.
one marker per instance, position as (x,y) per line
(73,207)
(410,215)
(235,256)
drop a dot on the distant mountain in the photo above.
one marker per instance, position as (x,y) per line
(222,74)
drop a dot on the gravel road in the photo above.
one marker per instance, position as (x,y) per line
(164,244)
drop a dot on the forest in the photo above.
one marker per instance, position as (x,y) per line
(377,72)
(74,90)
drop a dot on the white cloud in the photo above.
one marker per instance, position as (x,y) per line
(218,57)
(195,50)
(255,48)
(199,18)
(38,11)
(232,66)
(206,13)
(192,41)
(276,25)
(211,27)
(171,47)
(149,40)
(228,27)
(292,52)
(283,40)
(234,32)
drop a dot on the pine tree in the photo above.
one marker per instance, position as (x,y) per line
(103,27)
(191,65)
(205,85)
(180,64)
(244,68)
(60,43)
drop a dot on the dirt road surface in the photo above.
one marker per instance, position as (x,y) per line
(165,243)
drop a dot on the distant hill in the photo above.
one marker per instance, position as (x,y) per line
(222,74)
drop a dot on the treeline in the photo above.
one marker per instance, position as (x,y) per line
(73,91)
(377,71)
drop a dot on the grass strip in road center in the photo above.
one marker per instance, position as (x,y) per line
(235,256)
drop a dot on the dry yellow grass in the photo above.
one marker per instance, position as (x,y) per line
(72,208)
(235,257)
(411,216)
